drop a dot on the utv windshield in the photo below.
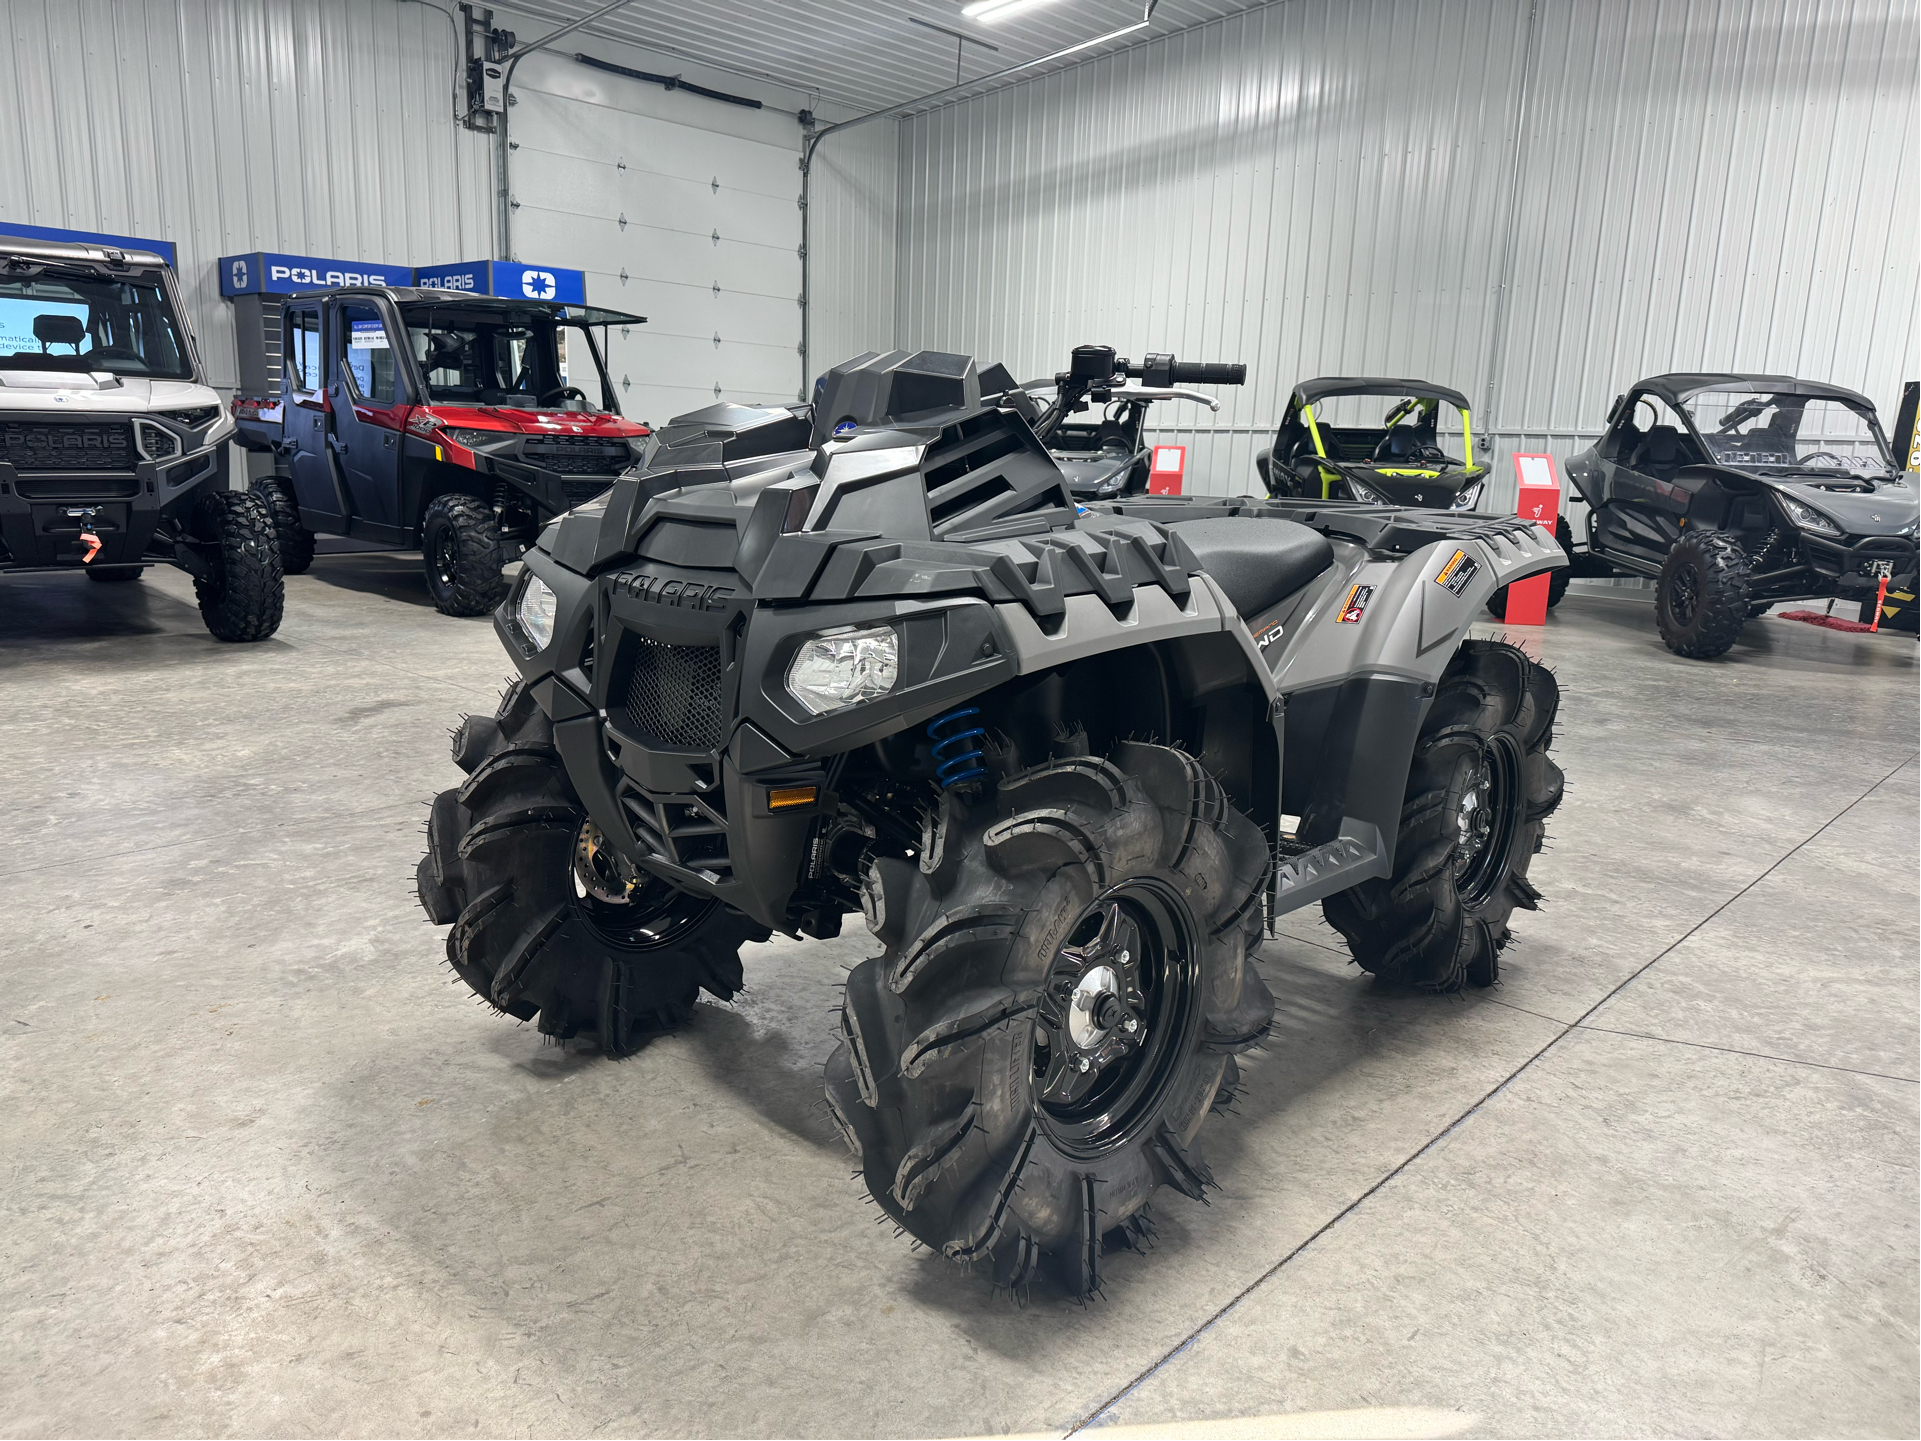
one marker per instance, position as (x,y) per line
(56,321)
(524,359)
(1788,432)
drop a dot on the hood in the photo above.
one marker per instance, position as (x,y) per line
(1891,509)
(538,422)
(99,393)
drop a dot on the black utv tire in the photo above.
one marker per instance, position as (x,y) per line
(1557,580)
(296,541)
(1479,791)
(529,936)
(1701,595)
(243,593)
(958,1082)
(114,574)
(460,549)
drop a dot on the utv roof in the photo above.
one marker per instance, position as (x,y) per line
(1678,387)
(414,294)
(54,252)
(1313,390)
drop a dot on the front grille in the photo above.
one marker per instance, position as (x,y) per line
(579,492)
(56,445)
(674,694)
(577,454)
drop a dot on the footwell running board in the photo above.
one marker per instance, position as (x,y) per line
(1354,856)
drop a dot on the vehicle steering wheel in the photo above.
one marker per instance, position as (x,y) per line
(1837,462)
(561,393)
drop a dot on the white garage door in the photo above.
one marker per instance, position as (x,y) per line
(696,228)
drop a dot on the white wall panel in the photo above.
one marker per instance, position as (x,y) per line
(1536,202)
(228,126)
(853,241)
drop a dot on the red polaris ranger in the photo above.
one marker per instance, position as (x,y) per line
(458,423)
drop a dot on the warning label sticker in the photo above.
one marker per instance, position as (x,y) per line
(1459,570)
(1355,603)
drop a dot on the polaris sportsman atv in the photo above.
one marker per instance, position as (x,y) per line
(1737,492)
(439,419)
(1109,460)
(113,450)
(1065,762)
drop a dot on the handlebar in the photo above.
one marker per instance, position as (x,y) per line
(1204,372)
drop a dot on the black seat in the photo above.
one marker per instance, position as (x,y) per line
(1257,562)
(1399,442)
(1660,449)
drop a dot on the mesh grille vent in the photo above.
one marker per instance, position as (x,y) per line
(674,694)
(72,445)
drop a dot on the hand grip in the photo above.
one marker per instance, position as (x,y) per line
(1206,372)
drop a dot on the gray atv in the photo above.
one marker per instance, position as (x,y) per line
(1067,763)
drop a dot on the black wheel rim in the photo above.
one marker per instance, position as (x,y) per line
(629,908)
(445,559)
(1488,819)
(1684,594)
(1118,1014)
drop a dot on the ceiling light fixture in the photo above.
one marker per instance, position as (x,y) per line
(993,10)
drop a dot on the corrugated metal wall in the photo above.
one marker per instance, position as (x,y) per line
(1536,202)
(235,125)
(853,243)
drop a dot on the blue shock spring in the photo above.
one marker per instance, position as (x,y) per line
(956,758)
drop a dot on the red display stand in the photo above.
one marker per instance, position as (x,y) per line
(1166,470)
(1540,502)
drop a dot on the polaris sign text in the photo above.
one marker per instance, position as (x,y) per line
(507,280)
(266,273)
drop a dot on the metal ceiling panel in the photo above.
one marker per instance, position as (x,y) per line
(860,56)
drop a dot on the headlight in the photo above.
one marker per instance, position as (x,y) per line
(535,611)
(479,439)
(1469,497)
(1362,492)
(194,418)
(841,668)
(1808,518)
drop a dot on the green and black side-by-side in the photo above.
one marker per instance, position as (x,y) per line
(1066,762)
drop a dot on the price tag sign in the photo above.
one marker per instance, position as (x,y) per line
(1167,469)
(1539,501)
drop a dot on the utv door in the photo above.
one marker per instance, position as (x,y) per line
(305,425)
(1639,520)
(369,403)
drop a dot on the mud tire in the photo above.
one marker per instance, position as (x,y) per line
(1701,596)
(934,1084)
(296,541)
(499,869)
(1441,920)
(243,593)
(461,554)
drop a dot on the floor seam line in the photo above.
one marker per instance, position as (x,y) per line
(1758,1055)
(1579,1023)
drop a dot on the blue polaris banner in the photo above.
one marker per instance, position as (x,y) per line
(163,248)
(267,273)
(510,280)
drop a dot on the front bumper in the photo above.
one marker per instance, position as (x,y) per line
(121,494)
(556,472)
(691,653)
(1854,565)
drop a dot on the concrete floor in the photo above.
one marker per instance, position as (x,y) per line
(267,1172)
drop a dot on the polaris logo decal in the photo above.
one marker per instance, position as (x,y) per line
(537,284)
(1459,570)
(687,594)
(1354,604)
(240,275)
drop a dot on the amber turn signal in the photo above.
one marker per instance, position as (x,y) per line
(785,798)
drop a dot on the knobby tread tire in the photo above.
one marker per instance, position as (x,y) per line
(243,594)
(475,585)
(1720,568)
(499,870)
(1416,927)
(932,1084)
(296,541)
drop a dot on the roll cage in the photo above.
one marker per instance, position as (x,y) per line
(1406,443)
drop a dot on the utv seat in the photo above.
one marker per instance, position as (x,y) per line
(1256,562)
(1660,450)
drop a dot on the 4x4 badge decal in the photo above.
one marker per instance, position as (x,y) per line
(1354,604)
